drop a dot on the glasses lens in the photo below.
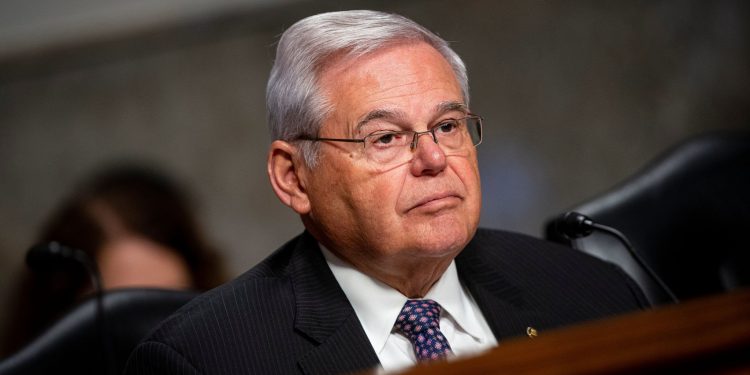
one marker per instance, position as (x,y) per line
(474,126)
(386,147)
(451,134)
(458,134)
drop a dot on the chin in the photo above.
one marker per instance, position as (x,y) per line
(441,239)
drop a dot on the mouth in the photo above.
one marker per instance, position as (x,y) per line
(437,202)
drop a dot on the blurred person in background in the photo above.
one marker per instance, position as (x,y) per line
(137,225)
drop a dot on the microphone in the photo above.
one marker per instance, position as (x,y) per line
(52,255)
(574,225)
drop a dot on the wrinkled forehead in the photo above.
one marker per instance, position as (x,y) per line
(401,57)
(403,84)
(351,56)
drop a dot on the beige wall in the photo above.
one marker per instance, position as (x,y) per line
(576,96)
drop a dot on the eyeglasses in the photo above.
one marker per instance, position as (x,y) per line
(455,136)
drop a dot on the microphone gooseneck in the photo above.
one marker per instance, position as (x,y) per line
(53,255)
(576,225)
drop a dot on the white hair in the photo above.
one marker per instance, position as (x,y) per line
(296,107)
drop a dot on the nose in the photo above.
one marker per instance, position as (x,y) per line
(429,157)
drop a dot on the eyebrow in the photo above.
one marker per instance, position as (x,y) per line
(397,114)
(379,114)
(451,106)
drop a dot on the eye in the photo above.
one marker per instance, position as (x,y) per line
(448,126)
(386,139)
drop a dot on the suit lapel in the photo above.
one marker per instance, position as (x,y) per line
(325,316)
(502,303)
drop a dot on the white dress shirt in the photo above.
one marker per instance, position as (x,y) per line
(377,305)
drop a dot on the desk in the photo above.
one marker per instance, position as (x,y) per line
(710,335)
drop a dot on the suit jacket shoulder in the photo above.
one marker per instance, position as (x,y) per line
(285,315)
(521,281)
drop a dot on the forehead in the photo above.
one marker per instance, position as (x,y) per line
(409,78)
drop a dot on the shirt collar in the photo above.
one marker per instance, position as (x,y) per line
(377,304)
(455,301)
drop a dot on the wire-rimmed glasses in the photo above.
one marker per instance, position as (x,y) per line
(387,147)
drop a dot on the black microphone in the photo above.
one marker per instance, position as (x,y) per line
(574,225)
(53,255)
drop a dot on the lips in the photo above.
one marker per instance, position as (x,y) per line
(437,200)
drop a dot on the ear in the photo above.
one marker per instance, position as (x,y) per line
(287,174)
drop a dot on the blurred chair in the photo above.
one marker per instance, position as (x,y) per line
(140,228)
(73,344)
(687,214)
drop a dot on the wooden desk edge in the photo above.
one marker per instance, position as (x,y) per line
(710,334)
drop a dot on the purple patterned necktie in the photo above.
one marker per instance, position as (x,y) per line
(419,321)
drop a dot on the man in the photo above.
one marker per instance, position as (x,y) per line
(375,150)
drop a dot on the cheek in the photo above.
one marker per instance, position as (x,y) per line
(360,199)
(378,193)
(467,171)
(476,184)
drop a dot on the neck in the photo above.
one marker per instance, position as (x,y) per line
(412,278)
(411,275)
(417,284)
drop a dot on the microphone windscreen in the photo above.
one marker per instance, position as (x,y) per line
(50,255)
(573,225)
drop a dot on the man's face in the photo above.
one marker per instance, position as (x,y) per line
(380,216)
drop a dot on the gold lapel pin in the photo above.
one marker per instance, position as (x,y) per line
(531,332)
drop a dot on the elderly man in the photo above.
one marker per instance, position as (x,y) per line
(375,149)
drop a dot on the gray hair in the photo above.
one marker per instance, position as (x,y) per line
(296,107)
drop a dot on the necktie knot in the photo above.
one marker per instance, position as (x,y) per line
(419,321)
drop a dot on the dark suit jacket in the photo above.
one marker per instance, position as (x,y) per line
(288,315)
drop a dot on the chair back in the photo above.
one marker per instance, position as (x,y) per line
(73,345)
(687,214)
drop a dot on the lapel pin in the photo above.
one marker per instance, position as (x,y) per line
(531,332)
